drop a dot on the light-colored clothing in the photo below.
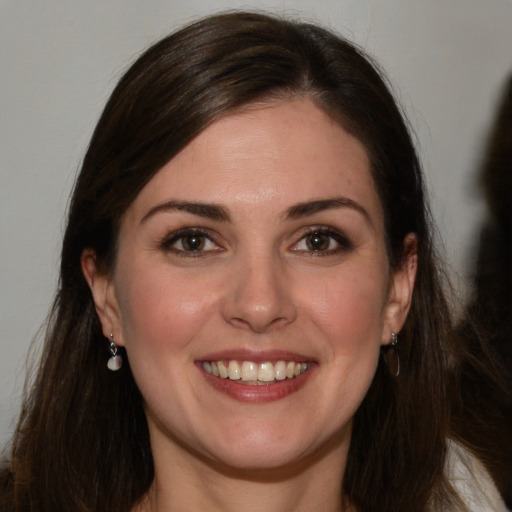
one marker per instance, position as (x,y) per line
(472,481)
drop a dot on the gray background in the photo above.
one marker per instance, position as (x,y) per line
(59,59)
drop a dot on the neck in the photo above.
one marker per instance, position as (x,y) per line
(187,483)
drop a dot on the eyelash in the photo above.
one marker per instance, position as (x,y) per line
(167,244)
(170,240)
(340,239)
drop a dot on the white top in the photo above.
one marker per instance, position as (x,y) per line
(472,481)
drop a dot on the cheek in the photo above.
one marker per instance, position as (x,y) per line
(160,312)
(350,307)
(350,314)
(345,311)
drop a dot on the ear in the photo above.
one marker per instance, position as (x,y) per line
(103,293)
(401,287)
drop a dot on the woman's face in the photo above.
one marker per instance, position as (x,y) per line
(257,253)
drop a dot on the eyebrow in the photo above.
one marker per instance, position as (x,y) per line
(311,207)
(220,213)
(209,211)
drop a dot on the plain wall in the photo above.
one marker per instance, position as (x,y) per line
(59,60)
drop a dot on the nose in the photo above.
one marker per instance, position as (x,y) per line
(260,296)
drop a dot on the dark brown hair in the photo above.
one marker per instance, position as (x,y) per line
(82,440)
(482,410)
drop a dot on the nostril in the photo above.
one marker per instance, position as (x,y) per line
(259,326)
(259,297)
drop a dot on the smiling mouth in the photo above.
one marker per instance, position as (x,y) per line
(255,374)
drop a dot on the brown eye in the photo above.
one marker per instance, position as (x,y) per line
(193,242)
(318,242)
(322,242)
(189,242)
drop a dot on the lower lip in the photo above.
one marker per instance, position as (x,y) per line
(257,394)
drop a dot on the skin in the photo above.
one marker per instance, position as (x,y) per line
(258,284)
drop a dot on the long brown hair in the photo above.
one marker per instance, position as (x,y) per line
(82,441)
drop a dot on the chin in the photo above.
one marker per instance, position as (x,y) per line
(262,453)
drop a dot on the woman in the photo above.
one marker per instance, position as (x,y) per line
(247,236)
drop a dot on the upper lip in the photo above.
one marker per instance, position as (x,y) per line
(256,356)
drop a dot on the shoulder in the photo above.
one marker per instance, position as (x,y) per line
(471,481)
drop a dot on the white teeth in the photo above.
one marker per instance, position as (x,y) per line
(249,371)
(266,372)
(234,370)
(254,373)
(289,369)
(280,369)
(223,371)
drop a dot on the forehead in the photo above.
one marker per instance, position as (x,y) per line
(275,153)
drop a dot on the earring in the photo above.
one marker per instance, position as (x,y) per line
(115,361)
(392,357)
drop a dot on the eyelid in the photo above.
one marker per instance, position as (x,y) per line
(167,242)
(342,240)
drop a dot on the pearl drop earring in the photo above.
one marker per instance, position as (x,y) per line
(115,361)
